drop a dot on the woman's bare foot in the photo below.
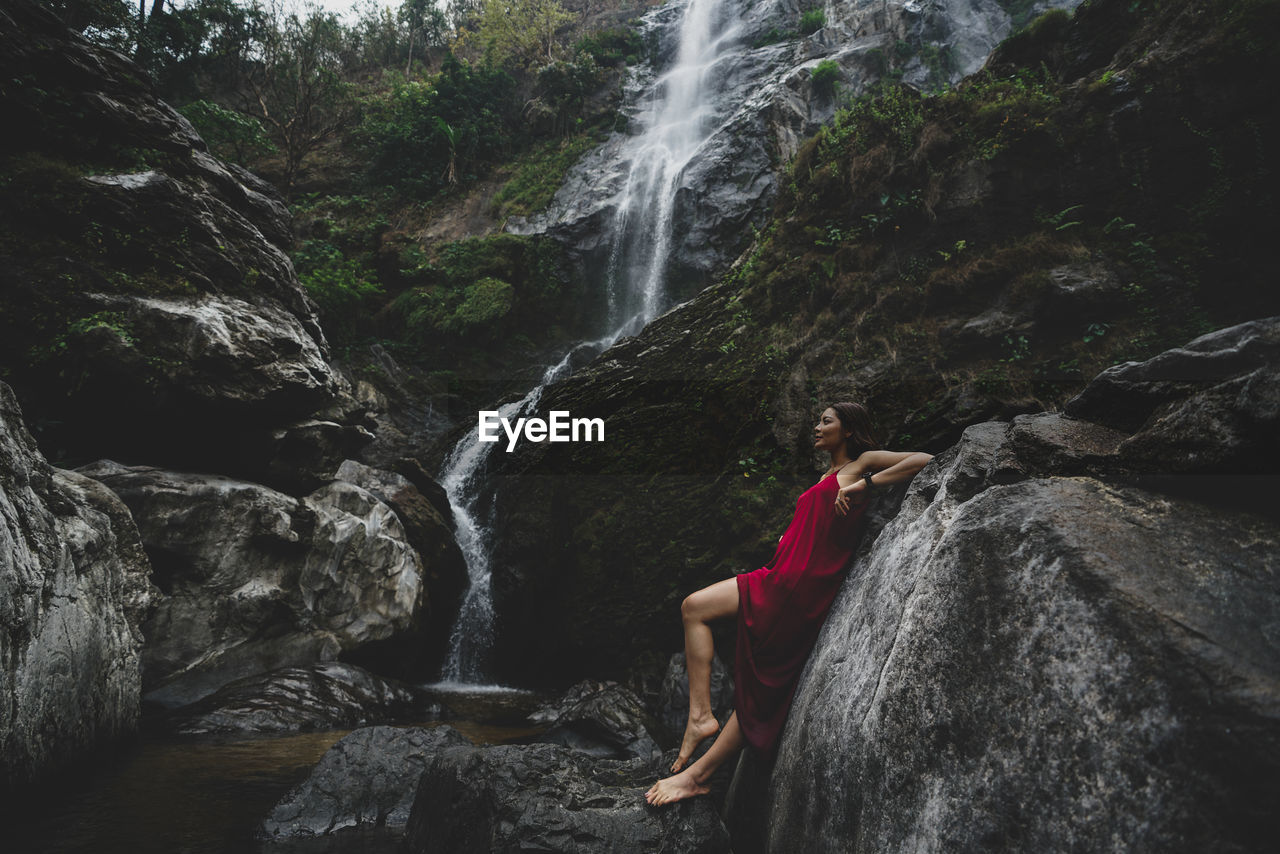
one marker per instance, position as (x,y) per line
(695,732)
(674,789)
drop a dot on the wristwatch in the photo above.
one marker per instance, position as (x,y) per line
(866,476)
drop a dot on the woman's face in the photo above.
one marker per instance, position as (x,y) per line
(828,433)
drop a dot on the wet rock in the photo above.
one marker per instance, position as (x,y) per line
(74,590)
(673,697)
(330,695)
(601,719)
(445,577)
(254,579)
(550,798)
(368,779)
(211,352)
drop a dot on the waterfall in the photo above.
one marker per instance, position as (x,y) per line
(472,635)
(678,117)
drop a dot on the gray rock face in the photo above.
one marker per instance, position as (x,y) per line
(1030,658)
(602,719)
(673,696)
(331,695)
(369,778)
(74,589)
(764,106)
(547,798)
(429,532)
(214,352)
(1210,407)
(158,292)
(255,579)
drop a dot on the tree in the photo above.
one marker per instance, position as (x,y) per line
(426,24)
(296,88)
(523,31)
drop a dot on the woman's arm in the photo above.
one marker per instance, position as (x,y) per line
(885,467)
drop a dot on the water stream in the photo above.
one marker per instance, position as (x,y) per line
(679,111)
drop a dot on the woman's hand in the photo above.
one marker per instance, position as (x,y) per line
(847,496)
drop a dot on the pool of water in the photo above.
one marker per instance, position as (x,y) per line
(167,794)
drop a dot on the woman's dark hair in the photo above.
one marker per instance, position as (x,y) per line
(854,417)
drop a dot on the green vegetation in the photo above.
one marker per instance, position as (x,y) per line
(811,21)
(825,76)
(521,32)
(231,135)
(425,136)
(889,112)
(539,174)
(611,48)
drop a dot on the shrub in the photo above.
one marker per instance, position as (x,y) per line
(612,48)
(341,286)
(484,303)
(231,135)
(824,76)
(812,21)
(423,137)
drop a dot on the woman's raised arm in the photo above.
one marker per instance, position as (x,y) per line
(885,468)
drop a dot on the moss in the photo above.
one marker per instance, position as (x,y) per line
(484,303)
(539,174)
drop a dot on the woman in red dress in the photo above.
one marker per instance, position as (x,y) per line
(781,606)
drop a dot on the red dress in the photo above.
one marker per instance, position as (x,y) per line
(781,608)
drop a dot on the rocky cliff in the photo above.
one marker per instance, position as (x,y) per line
(147,307)
(151,320)
(1095,194)
(763,104)
(74,590)
(1044,652)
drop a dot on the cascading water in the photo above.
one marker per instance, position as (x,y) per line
(679,115)
(472,634)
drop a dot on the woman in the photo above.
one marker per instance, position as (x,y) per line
(782,605)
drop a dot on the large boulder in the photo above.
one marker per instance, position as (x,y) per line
(254,579)
(331,695)
(550,798)
(368,779)
(74,589)
(1209,407)
(602,719)
(429,532)
(1035,655)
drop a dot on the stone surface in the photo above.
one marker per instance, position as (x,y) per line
(602,719)
(1030,657)
(212,352)
(331,695)
(254,579)
(369,778)
(548,798)
(673,696)
(74,590)
(140,276)
(1211,406)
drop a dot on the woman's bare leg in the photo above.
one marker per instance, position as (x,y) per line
(693,780)
(710,603)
